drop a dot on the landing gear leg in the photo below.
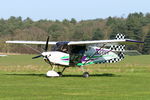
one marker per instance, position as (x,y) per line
(53,67)
(60,73)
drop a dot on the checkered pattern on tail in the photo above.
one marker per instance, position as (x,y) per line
(117,47)
(120,57)
(120,36)
(114,60)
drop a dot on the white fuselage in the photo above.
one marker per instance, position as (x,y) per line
(61,58)
(57,57)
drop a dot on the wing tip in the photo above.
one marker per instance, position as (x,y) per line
(134,41)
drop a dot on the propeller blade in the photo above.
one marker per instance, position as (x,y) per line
(49,61)
(37,56)
(46,46)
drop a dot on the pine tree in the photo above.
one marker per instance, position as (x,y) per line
(98,34)
(146,49)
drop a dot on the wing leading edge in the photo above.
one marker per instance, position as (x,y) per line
(31,42)
(121,41)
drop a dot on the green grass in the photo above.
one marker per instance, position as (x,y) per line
(22,78)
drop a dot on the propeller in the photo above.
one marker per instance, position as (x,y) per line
(37,56)
(46,46)
(45,49)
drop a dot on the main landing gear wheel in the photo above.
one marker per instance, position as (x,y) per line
(60,74)
(85,74)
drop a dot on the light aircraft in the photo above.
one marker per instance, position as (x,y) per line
(81,53)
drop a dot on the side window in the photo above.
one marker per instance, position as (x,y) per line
(78,49)
(62,48)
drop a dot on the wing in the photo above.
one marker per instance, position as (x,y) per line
(120,39)
(116,41)
(31,42)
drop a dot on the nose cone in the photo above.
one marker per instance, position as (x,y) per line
(46,54)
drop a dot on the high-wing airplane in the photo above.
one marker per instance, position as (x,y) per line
(81,53)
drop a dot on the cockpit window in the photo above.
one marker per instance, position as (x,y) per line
(61,46)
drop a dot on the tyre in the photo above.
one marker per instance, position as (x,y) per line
(85,74)
(60,73)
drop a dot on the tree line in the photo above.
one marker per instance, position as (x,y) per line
(135,26)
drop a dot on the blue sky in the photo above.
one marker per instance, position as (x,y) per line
(67,9)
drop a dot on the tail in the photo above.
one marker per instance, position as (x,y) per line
(118,49)
(120,36)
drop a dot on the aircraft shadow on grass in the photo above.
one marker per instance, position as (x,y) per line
(68,75)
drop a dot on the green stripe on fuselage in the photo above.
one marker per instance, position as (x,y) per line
(97,56)
(65,57)
(81,64)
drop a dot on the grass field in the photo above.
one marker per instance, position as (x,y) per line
(24,79)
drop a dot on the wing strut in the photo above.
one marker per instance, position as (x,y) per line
(32,48)
(94,54)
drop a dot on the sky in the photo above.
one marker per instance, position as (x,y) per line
(67,9)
